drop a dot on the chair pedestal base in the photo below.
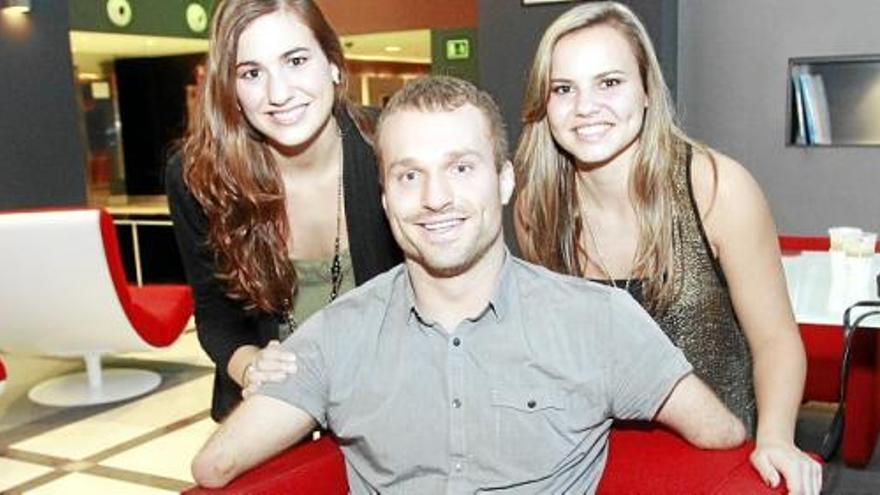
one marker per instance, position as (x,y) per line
(74,390)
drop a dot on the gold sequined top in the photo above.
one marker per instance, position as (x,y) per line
(701,320)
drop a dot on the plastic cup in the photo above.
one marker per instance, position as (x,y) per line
(841,237)
(864,246)
(859,264)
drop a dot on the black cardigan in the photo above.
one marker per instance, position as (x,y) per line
(222,324)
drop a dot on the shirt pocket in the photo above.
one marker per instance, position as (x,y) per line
(528,399)
(535,428)
(577,410)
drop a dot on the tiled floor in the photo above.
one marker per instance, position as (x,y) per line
(139,446)
(144,445)
(838,479)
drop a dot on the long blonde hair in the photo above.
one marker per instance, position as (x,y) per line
(547,209)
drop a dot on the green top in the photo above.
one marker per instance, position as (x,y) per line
(314,282)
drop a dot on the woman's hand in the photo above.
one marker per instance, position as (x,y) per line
(271,364)
(777,460)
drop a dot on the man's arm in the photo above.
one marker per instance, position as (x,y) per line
(258,429)
(651,379)
(698,415)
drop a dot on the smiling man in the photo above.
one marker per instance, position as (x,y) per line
(465,369)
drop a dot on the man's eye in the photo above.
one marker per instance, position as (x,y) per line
(463,168)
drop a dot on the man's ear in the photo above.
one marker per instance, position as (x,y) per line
(506,181)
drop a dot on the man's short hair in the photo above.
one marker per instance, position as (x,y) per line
(446,94)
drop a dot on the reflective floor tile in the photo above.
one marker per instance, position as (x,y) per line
(92,435)
(169,455)
(86,483)
(13,473)
(185,350)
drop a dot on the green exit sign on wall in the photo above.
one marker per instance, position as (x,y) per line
(458,49)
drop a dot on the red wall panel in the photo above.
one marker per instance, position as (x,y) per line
(370,16)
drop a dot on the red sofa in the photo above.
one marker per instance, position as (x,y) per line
(641,460)
(824,348)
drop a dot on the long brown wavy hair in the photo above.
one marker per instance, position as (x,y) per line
(232,173)
(547,208)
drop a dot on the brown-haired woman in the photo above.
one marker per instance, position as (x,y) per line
(611,189)
(276,186)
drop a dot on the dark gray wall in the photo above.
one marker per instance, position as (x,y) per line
(732,86)
(509,33)
(41,152)
(463,68)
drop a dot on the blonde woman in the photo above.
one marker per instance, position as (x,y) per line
(611,189)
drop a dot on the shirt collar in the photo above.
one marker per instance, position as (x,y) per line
(409,296)
(504,292)
(499,301)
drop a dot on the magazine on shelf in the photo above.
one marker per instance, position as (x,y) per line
(815,107)
(799,132)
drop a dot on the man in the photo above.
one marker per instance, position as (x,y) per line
(464,368)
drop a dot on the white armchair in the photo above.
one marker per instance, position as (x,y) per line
(63,293)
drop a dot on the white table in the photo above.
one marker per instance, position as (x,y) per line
(808,276)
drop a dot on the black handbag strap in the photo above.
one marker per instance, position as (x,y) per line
(831,440)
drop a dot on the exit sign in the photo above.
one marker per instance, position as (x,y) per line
(458,49)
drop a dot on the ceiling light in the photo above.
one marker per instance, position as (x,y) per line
(18,6)
(393,49)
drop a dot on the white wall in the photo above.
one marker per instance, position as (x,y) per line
(732,84)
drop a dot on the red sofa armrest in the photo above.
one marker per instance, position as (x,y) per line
(644,458)
(641,459)
(308,468)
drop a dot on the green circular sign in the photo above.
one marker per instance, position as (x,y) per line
(119,12)
(196,17)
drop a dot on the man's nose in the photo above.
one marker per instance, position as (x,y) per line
(437,193)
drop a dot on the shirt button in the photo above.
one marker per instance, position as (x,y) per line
(456,403)
(458,466)
(456,342)
(532,404)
